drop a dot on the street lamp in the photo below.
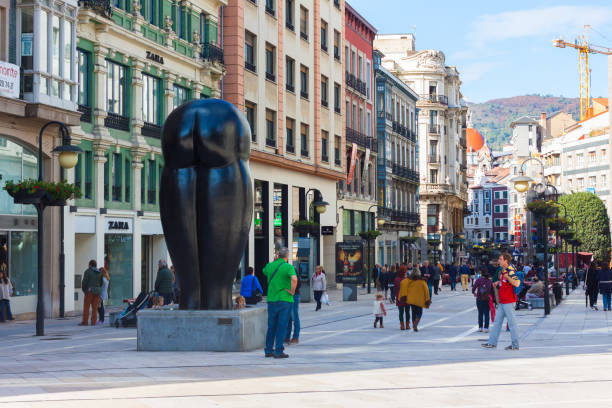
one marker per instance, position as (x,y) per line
(319,205)
(68,157)
(380,221)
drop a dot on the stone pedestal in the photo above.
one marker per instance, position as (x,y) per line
(349,292)
(202,330)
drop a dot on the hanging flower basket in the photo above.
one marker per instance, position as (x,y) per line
(370,235)
(433,242)
(546,209)
(566,235)
(306,227)
(32,191)
(557,224)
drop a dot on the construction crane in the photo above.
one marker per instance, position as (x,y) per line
(585,48)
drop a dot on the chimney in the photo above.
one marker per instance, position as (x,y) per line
(543,124)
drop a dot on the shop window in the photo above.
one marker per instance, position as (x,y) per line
(150,99)
(347,225)
(181,95)
(23,267)
(118,260)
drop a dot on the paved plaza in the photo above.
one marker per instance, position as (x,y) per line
(565,360)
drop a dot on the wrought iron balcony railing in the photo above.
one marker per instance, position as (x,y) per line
(212,53)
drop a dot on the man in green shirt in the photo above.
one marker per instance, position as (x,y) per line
(282,282)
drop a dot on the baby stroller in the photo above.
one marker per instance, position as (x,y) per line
(127,318)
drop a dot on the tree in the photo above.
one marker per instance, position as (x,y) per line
(592,224)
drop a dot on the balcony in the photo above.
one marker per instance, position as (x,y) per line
(85,113)
(368,142)
(434,98)
(324,158)
(304,94)
(270,142)
(212,53)
(434,188)
(303,36)
(398,216)
(102,7)
(270,77)
(337,110)
(290,148)
(324,103)
(324,47)
(270,8)
(433,159)
(433,129)
(115,121)
(353,82)
(151,130)
(290,26)
(250,66)
(304,152)
(404,172)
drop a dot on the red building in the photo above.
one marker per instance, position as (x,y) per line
(359,188)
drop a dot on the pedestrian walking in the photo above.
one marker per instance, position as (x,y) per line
(91,284)
(376,276)
(6,290)
(391,283)
(163,282)
(250,288)
(379,310)
(282,282)
(103,294)
(401,306)
(592,284)
(465,276)
(453,270)
(415,293)
(294,317)
(482,290)
(427,274)
(319,285)
(605,288)
(507,299)
(436,276)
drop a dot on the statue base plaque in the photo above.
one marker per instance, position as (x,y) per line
(202,330)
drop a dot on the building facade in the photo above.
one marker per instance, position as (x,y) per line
(38,84)
(442,124)
(285,71)
(135,63)
(357,193)
(397,169)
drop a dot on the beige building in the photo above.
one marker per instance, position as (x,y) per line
(442,145)
(285,71)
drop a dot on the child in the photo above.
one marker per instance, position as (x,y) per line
(379,310)
(240,302)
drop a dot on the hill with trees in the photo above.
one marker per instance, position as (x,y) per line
(492,118)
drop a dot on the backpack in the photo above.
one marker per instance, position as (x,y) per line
(483,293)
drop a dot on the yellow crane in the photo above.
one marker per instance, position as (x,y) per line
(584,48)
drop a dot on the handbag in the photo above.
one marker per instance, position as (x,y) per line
(325,299)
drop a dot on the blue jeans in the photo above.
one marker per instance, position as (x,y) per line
(5,310)
(453,282)
(606,297)
(504,310)
(483,313)
(278,313)
(430,286)
(294,318)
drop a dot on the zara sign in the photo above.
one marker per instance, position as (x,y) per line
(118,225)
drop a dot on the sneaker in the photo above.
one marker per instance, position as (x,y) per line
(511,347)
(269,355)
(487,345)
(281,355)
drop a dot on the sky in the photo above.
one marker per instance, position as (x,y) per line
(503,48)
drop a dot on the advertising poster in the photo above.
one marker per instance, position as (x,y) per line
(349,262)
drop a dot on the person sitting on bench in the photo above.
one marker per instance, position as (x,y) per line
(537,289)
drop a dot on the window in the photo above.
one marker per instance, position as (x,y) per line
(149,12)
(106,176)
(505,195)
(250,40)
(579,160)
(250,110)
(570,183)
(304,23)
(570,162)
(270,7)
(115,88)
(337,97)
(323,35)
(324,146)
(304,139)
(289,12)
(496,195)
(270,128)
(580,183)
(290,75)
(368,78)
(304,81)
(127,179)
(602,180)
(337,145)
(152,187)
(89,166)
(592,181)
(181,95)
(592,157)
(433,151)
(337,45)
(368,131)
(150,99)
(604,155)
(116,177)
(433,176)
(324,82)
(270,71)
(84,65)
(290,123)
